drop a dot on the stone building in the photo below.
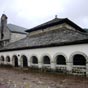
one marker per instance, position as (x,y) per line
(58,44)
(9,32)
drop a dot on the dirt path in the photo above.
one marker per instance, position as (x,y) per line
(18,79)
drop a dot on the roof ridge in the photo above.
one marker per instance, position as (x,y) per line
(50,22)
(16,25)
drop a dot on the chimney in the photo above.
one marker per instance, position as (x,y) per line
(3,24)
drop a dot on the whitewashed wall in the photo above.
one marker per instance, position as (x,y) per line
(67,51)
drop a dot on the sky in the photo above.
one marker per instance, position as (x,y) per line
(30,13)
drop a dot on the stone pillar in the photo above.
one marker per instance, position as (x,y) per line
(11,61)
(40,64)
(5,61)
(53,65)
(69,67)
(0,61)
(87,69)
(29,63)
(20,62)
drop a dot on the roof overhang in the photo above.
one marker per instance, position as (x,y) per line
(47,46)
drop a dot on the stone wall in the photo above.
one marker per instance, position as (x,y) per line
(56,27)
(7,34)
(16,37)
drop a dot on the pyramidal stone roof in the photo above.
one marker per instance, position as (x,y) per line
(58,37)
(52,38)
(53,22)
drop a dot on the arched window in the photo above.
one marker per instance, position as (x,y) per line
(2,58)
(15,61)
(34,60)
(60,60)
(79,59)
(24,61)
(46,60)
(8,59)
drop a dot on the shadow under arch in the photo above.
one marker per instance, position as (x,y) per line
(46,59)
(60,59)
(2,58)
(78,56)
(78,62)
(24,61)
(34,59)
(43,56)
(8,58)
(15,60)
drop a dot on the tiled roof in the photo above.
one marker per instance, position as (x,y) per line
(16,29)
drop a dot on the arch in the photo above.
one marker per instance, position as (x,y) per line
(8,58)
(46,59)
(59,53)
(60,60)
(24,61)
(79,59)
(15,60)
(2,58)
(34,60)
(77,53)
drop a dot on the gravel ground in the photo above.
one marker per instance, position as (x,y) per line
(11,78)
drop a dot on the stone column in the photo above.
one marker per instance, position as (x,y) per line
(20,62)
(87,69)
(29,63)
(5,61)
(11,61)
(40,64)
(53,65)
(69,67)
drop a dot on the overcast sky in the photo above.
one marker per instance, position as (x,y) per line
(29,13)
